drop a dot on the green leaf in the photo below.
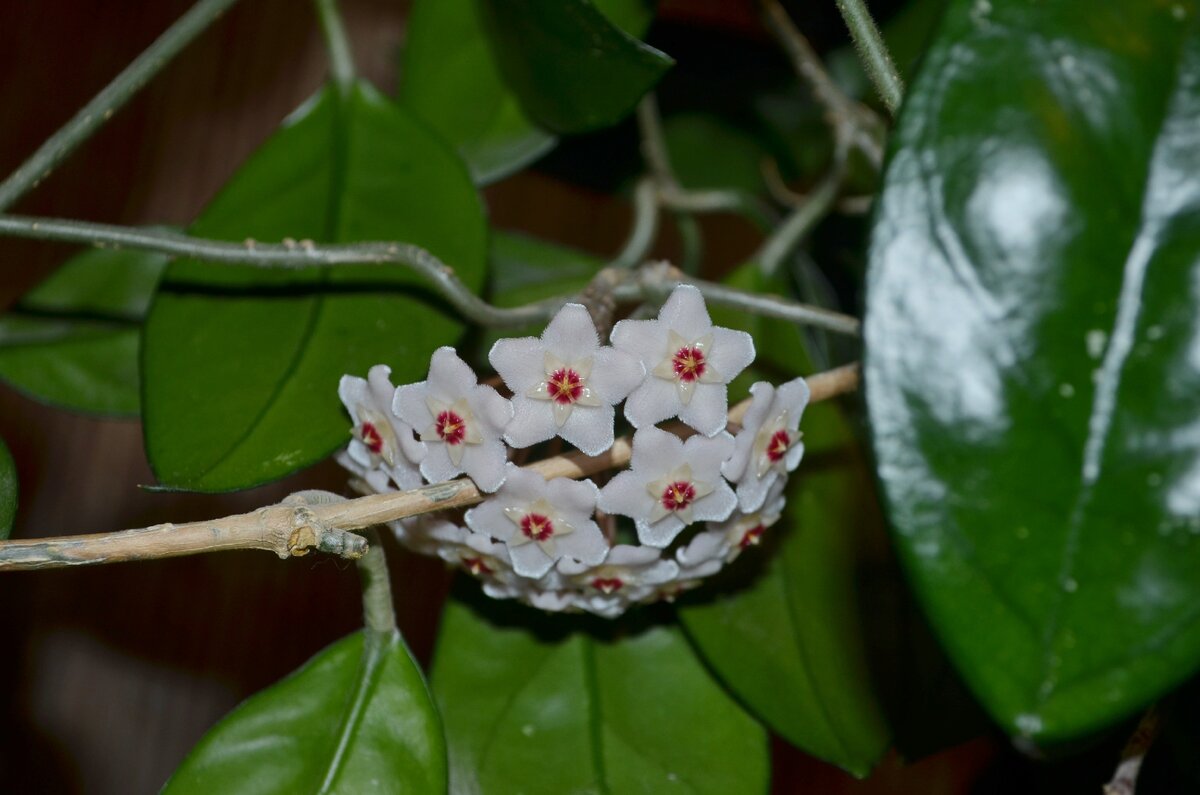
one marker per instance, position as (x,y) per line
(72,341)
(242,364)
(8,490)
(449,79)
(694,141)
(790,642)
(1031,360)
(342,723)
(554,711)
(572,68)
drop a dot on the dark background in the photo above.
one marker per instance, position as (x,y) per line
(111,674)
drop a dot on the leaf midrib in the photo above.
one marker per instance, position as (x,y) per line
(1102,411)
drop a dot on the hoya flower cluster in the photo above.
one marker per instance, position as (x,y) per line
(696,496)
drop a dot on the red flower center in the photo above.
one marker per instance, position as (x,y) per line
(777,448)
(564,385)
(451,428)
(371,437)
(752,536)
(537,527)
(478,566)
(678,495)
(688,363)
(608,584)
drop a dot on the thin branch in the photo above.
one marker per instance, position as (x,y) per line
(379,611)
(1124,780)
(341,60)
(645,226)
(783,193)
(102,107)
(671,194)
(873,52)
(629,284)
(301,524)
(289,529)
(288,255)
(788,235)
(854,125)
(654,142)
(658,280)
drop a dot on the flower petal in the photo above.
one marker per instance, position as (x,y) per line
(685,312)
(708,410)
(653,401)
(661,533)
(449,376)
(518,362)
(571,333)
(590,428)
(615,374)
(532,422)
(732,352)
(484,462)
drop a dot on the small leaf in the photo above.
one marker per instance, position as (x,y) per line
(242,363)
(1031,358)
(8,490)
(573,69)
(72,341)
(449,79)
(556,711)
(342,723)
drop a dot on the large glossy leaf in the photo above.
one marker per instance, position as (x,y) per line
(449,78)
(341,723)
(242,364)
(73,340)
(8,490)
(573,68)
(787,637)
(549,711)
(1032,375)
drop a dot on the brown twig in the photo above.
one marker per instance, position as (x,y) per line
(1124,780)
(301,523)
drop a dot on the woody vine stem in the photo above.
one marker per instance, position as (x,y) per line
(309,521)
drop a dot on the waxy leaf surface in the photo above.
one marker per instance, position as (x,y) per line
(72,341)
(573,68)
(562,712)
(1032,367)
(341,723)
(449,78)
(241,364)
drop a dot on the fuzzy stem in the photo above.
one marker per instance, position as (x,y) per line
(337,43)
(379,613)
(296,526)
(630,284)
(102,107)
(873,52)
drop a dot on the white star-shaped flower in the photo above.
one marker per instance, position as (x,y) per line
(703,556)
(744,529)
(459,421)
(382,448)
(769,444)
(690,363)
(565,383)
(670,484)
(630,574)
(541,521)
